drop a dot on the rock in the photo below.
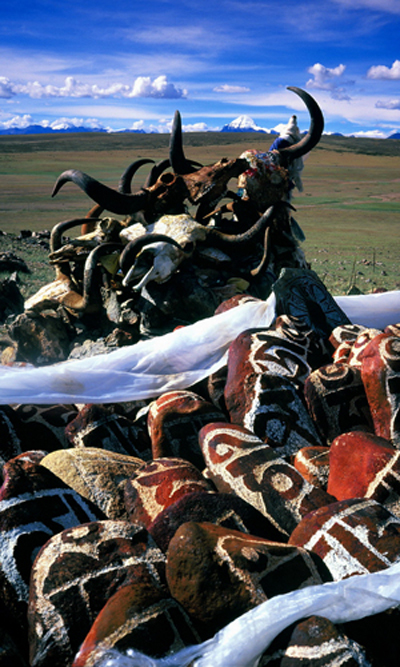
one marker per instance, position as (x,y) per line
(313,464)
(174,421)
(100,426)
(222,509)
(96,474)
(354,536)
(131,619)
(42,338)
(34,505)
(45,424)
(266,369)
(317,642)
(10,655)
(11,299)
(73,577)
(359,345)
(342,339)
(239,462)
(10,435)
(380,373)
(337,401)
(160,483)
(216,574)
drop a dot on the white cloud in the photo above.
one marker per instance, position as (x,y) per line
(383,72)
(226,88)
(390,104)
(326,78)
(195,127)
(370,134)
(17,122)
(142,87)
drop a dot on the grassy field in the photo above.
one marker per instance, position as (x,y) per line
(349,210)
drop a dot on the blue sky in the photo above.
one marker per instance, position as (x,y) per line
(131,64)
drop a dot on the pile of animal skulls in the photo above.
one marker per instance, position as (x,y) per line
(182,244)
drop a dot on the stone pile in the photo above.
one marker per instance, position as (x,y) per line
(153,524)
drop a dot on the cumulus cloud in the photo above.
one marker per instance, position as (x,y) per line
(142,87)
(383,72)
(17,122)
(370,134)
(326,78)
(226,88)
(24,121)
(390,104)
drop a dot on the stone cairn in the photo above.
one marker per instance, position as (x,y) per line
(151,525)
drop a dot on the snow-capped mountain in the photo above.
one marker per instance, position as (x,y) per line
(245,124)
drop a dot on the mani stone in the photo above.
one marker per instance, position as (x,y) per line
(174,420)
(100,426)
(380,372)
(34,505)
(97,474)
(359,345)
(73,577)
(313,464)
(132,618)
(362,465)
(239,462)
(317,642)
(45,424)
(265,372)
(216,574)
(300,293)
(222,509)
(342,339)
(10,435)
(160,483)
(336,400)
(356,536)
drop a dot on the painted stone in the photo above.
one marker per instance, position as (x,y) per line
(216,386)
(239,462)
(362,465)
(160,483)
(216,574)
(336,400)
(317,642)
(300,293)
(380,373)
(34,505)
(265,372)
(359,345)
(96,474)
(45,424)
(100,426)
(131,619)
(352,537)
(222,509)
(174,420)
(73,577)
(234,301)
(10,435)
(342,339)
(393,329)
(313,464)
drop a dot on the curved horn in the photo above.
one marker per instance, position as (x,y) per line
(179,163)
(222,240)
(124,185)
(133,248)
(61,227)
(106,197)
(156,172)
(78,302)
(314,133)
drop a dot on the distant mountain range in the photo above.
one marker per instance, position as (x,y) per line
(241,124)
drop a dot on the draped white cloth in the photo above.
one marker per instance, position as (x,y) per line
(174,361)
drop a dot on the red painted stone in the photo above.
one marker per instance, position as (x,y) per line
(359,345)
(313,464)
(216,574)
(131,619)
(174,420)
(158,484)
(234,301)
(222,509)
(100,426)
(362,465)
(239,462)
(380,372)
(351,536)
(73,577)
(342,339)
(337,401)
